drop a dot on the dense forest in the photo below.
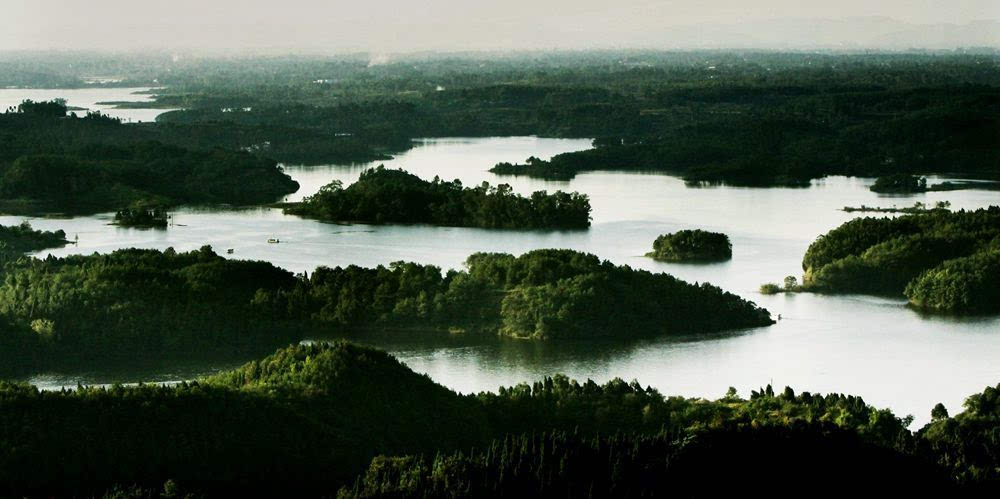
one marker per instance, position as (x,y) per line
(309,420)
(788,136)
(19,239)
(942,261)
(135,304)
(692,246)
(142,217)
(49,161)
(900,183)
(140,304)
(542,294)
(745,118)
(395,196)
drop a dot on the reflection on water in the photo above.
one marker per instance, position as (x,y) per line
(873,347)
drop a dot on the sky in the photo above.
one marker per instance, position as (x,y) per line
(415,25)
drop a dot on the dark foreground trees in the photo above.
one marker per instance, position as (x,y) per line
(394,196)
(309,420)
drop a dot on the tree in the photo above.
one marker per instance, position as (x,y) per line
(791,283)
(939,412)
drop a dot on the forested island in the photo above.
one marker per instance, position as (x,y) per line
(692,246)
(142,218)
(23,238)
(942,261)
(147,304)
(900,183)
(354,419)
(53,162)
(917,208)
(395,196)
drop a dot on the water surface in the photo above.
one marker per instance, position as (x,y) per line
(868,346)
(88,99)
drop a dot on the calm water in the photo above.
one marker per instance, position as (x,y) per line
(86,98)
(873,347)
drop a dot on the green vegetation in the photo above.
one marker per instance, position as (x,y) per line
(135,304)
(964,285)
(20,239)
(146,304)
(744,118)
(141,217)
(968,443)
(791,285)
(917,207)
(96,163)
(394,196)
(950,252)
(766,136)
(309,420)
(692,246)
(543,294)
(900,183)
(538,168)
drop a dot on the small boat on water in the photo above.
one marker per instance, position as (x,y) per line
(274,240)
(229,251)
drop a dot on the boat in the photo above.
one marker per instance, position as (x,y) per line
(274,240)
(229,251)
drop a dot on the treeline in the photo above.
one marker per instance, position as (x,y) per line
(942,261)
(543,294)
(795,138)
(22,238)
(309,420)
(395,196)
(564,464)
(692,246)
(95,163)
(135,304)
(140,304)
(754,119)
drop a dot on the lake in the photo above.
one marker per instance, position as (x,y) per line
(87,98)
(873,347)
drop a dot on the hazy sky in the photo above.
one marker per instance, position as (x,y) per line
(381,25)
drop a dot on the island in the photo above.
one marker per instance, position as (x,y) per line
(538,168)
(22,238)
(353,421)
(692,246)
(899,184)
(383,196)
(142,218)
(138,304)
(942,261)
(53,162)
